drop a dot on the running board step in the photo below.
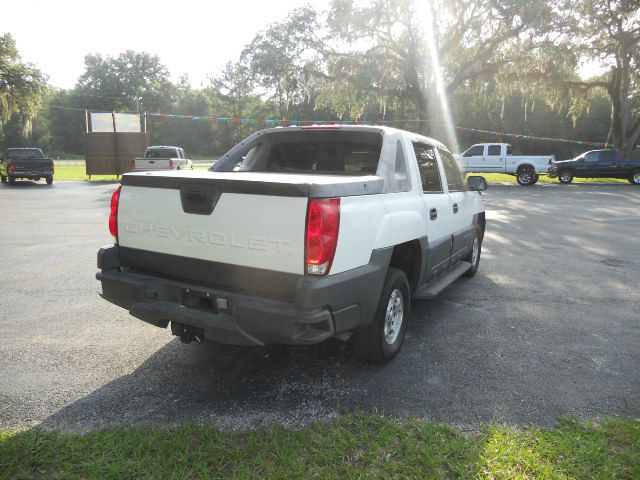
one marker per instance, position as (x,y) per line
(431,290)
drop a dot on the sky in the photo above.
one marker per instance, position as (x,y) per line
(191,37)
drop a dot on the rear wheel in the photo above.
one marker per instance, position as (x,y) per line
(535,180)
(526,177)
(381,340)
(12,180)
(634,178)
(49,180)
(3,178)
(565,177)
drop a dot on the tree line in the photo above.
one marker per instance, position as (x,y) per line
(423,65)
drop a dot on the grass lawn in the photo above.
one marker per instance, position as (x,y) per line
(355,446)
(501,177)
(77,172)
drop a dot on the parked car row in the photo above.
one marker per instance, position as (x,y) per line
(498,158)
(31,163)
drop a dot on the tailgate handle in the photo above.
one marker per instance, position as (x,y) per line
(196,197)
(201,201)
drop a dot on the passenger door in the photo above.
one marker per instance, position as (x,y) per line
(462,201)
(606,164)
(474,159)
(437,210)
(494,159)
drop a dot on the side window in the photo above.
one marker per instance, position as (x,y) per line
(452,171)
(247,161)
(608,156)
(475,151)
(592,157)
(493,150)
(509,150)
(428,165)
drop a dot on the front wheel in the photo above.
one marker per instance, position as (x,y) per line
(474,256)
(565,177)
(526,177)
(381,340)
(634,178)
(535,180)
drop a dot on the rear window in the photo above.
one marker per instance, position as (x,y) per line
(23,153)
(322,157)
(308,152)
(161,153)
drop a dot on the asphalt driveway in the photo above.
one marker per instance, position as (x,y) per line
(549,327)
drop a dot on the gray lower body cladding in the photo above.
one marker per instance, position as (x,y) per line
(240,305)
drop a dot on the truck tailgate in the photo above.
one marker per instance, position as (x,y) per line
(151,164)
(258,231)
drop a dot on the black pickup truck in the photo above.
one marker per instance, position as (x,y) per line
(25,163)
(596,164)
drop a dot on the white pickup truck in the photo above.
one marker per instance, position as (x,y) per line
(296,235)
(162,157)
(497,158)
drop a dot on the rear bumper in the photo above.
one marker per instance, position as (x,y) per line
(31,175)
(320,307)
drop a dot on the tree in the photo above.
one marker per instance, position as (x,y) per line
(608,32)
(22,86)
(402,55)
(130,81)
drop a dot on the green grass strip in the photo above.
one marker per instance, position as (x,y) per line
(78,173)
(503,177)
(355,446)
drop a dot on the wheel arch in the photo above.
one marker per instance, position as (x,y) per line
(523,166)
(408,257)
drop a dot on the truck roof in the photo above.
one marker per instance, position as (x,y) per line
(371,128)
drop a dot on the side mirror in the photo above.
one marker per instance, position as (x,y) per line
(476,183)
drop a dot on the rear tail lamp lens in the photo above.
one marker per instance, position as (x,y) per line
(323,222)
(113,217)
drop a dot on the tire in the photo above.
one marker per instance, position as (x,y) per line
(49,180)
(12,180)
(535,180)
(634,178)
(3,179)
(565,177)
(474,255)
(380,341)
(526,177)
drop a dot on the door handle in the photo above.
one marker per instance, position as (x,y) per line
(455,208)
(433,214)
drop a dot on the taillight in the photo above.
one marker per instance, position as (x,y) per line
(133,165)
(323,222)
(170,164)
(53,167)
(113,217)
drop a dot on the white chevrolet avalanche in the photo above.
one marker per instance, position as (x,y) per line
(295,236)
